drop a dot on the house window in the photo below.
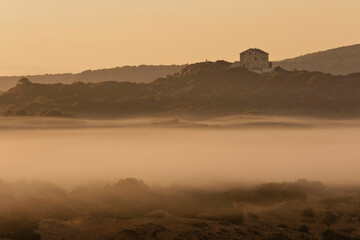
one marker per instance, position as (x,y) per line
(255,58)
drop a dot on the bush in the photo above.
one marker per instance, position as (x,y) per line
(332,202)
(19,229)
(331,218)
(20,113)
(279,236)
(157,214)
(274,192)
(331,235)
(304,228)
(253,216)
(308,186)
(308,213)
(131,185)
(100,212)
(234,217)
(50,113)
(8,113)
(348,230)
(282,225)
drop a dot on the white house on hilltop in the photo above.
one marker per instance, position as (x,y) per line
(255,60)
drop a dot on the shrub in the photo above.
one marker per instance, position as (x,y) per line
(201,225)
(131,184)
(20,112)
(273,192)
(308,212)
(234,217)
(8,113)
(304,228)
(50,113)
(331,235)
(19,229)
(308,186)
(282,225)
(253,216)
(278,236)
(157,214)
(347,230)
(331,218)
(107,213)
(332,202)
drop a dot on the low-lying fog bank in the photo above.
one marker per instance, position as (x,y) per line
(234,121)
(202,178)
(161,153)
(129,198)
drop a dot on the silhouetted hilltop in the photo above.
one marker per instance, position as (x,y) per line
(337,61)
(206,89)
(142,73)
(204,68)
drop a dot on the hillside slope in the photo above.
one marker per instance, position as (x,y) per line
(199,89)
(143,73)
(337,61)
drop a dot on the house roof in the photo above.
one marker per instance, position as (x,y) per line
(256,50)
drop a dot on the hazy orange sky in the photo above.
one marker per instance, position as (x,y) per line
(50,36)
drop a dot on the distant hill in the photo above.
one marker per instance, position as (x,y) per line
(337,61)
(202,89)
(142,73)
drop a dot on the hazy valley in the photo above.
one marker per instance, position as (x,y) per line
(179,120)
(210,152)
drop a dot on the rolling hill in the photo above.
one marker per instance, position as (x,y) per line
(202,89)
(142,73)
(337,61)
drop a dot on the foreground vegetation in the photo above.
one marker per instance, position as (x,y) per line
(130,209)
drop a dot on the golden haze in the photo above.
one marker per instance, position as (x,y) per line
(50,36)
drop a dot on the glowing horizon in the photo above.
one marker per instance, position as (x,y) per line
(49,36)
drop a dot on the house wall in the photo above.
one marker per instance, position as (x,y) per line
(251,59)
